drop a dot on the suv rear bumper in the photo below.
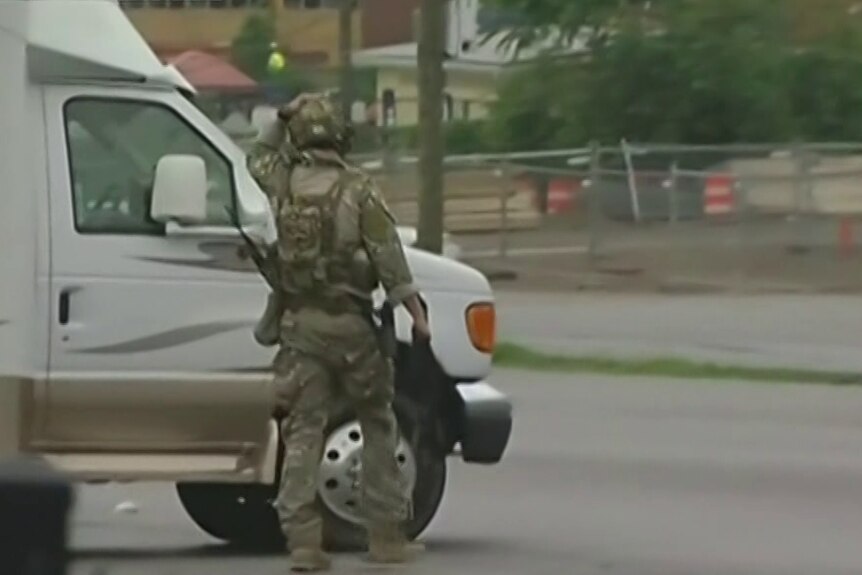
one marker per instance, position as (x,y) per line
(486,423)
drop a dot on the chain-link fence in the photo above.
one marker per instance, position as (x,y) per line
(767,216)
(745,216)
(773,217)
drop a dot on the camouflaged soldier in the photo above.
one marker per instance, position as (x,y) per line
(336,243)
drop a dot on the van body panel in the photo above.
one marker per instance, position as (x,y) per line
(20,306)
(97,467)
(17,414)
(41,313)
(156,412)
(144,325)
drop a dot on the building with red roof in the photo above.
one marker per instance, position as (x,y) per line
(209,73)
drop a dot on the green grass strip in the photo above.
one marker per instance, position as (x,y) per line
(514,356)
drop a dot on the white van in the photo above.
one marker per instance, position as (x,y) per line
(126,313)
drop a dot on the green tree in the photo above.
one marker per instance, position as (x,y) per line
(715,73)
(534,104)
(251,48)
(250,52)
(705,71)
(826,90)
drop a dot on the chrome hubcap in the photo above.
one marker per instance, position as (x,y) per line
(340,485)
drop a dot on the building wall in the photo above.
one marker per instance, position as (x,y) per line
(309,35)
(472,93)
(387,22)
(462,26)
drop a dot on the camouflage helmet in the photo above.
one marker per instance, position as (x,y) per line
(319,123)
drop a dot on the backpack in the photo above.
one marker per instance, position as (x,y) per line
(311,262)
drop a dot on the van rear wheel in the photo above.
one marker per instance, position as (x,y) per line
(243,515)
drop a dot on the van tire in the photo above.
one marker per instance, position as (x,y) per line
(242,515)
(340,535)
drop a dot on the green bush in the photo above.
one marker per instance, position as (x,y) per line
(461,137)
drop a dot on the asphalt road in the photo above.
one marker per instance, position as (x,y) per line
(604,476)
(800,331)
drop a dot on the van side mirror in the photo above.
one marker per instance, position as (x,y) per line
(180,190)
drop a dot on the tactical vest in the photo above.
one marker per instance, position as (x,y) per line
(316,268)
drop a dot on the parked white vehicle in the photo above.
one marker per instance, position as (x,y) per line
(451,249)
(126,313)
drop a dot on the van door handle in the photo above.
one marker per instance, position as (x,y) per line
(64,307)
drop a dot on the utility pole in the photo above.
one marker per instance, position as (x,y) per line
(345,50)
(432,46)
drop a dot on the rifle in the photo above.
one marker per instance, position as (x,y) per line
(268,327)
(265,259)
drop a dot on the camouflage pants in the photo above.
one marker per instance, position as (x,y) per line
(322,359)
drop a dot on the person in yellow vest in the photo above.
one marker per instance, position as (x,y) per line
(277,61)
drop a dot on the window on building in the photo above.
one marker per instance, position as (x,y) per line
(178,4)
(390,115)
(491,18)
(114,147)
(311,4)
(448,107)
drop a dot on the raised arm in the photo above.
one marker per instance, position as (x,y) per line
(269,161)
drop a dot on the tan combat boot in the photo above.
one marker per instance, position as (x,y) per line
(387,544)
(306,551)
(309,560)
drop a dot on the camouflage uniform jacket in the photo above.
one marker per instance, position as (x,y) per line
(364,227)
